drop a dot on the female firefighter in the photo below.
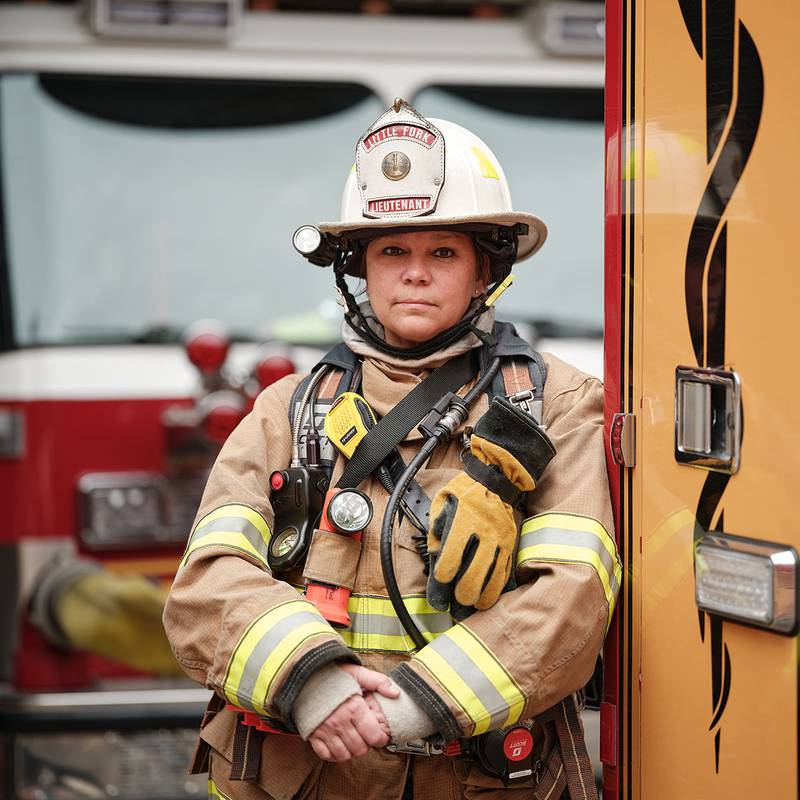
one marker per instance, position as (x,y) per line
(510,593)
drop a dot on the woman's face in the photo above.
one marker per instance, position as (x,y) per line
(421,283)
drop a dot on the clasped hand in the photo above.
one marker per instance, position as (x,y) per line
(357,724)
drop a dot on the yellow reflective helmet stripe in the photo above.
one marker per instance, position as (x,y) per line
(375,626)
(468,671)
(236,526)
(487,168)
(213,791)
(265,647)
(571,538)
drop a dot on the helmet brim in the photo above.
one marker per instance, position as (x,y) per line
(527,245)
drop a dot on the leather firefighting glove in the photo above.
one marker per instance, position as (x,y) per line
(80,606)
(473,532)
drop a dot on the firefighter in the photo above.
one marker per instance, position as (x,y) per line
(523,568)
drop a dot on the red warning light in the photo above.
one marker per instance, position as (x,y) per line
(220,421)
(207,350)
(272,369)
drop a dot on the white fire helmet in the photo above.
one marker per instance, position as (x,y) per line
(414,172)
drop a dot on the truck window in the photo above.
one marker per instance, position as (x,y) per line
(550,143)
(134,206)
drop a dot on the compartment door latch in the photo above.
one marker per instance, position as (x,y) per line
(708,418)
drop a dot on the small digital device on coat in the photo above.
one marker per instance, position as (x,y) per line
(298,495)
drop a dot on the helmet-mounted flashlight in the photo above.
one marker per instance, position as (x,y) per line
(350,511)
(312,244)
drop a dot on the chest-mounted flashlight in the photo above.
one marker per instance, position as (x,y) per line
(346,513)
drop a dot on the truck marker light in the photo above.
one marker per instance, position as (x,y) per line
(747,581)
(206,343)
(271,369)
(220,421)
(220,412)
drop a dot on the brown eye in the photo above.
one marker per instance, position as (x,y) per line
(392,250)
(444,252)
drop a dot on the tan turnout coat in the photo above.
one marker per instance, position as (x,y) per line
(250,636)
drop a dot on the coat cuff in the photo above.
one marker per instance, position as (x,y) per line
(519,434)
(407,721)
(304,668)
(322,694)
(425,697)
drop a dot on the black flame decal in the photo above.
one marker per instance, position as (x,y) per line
(708,242)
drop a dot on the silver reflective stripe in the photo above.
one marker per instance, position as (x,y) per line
(474,677)
(234,525)
(268,642)
(576,539)
(390,626)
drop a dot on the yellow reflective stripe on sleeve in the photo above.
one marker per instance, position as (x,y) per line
(375,626)
(571,538)
(266,646)
(214,793)
(236,526)
(468,671)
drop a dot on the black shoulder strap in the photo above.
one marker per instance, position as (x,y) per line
(409,412)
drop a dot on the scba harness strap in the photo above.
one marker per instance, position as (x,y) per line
(521,379)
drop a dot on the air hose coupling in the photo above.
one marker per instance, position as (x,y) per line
(445,417)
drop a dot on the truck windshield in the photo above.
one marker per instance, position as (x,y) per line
(133,207)
(550,143)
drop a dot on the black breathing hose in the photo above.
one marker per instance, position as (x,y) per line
(446,426)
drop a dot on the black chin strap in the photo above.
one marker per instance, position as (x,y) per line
(355,319)
(500,245)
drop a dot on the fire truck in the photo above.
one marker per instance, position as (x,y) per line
(155,158)
(701,664)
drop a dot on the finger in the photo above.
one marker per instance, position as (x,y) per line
(454,543)
(478,562)
(435,510)
(438,594)
(441,523)
(320,748)
(371,681)
(458,612)
(352,739)
(371,728)
(338,750)
(373,705)
(375,708)
(355,742)
(494,586)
